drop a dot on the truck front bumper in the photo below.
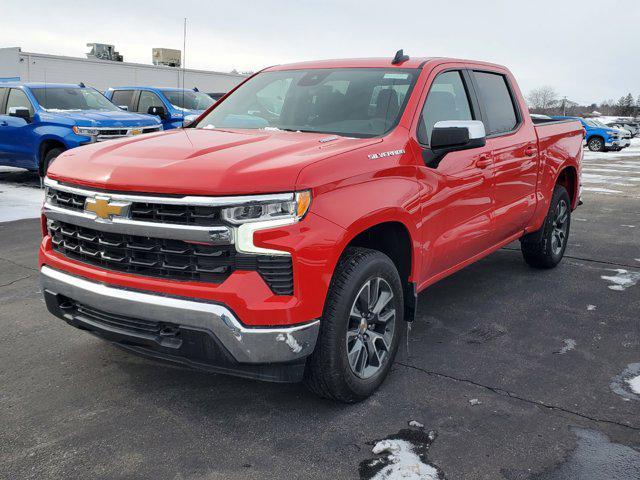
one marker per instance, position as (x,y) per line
(197,333)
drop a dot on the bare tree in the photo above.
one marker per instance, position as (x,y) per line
(543,98)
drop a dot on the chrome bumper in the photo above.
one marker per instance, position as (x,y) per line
(246,345)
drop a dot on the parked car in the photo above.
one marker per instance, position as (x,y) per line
(173,106)
(600,137)
(39,121)
(632,127)
(291,228)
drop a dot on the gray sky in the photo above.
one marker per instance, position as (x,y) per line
(588,49)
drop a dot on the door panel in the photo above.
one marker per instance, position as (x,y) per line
(16,142)
(515,171)
(457,200)
(456,210)
(515,158)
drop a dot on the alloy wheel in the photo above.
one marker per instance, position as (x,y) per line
(560,227)
(371,328)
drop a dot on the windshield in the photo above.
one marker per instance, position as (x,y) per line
(189,100)
(355,102)
(62,99)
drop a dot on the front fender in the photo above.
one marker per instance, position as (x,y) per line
(363,204)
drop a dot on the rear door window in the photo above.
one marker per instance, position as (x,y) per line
(123,98)
(500,113)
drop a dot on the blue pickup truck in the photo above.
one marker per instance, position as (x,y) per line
(172,105)
(40,121)
(600,137)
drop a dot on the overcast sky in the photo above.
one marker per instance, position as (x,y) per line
(589,50)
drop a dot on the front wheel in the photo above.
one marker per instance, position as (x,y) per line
(596,144)
(360,328)
(545,248)
(49,157)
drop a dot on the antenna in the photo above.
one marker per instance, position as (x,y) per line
(399,58)
(184,63)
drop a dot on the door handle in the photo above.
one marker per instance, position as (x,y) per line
(530,151)
(484,161)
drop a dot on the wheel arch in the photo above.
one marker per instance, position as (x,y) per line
(568,178)
(45,146)
(394,239)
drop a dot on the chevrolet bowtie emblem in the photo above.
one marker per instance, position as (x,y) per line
(105,209)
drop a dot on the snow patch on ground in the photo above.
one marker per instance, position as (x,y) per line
(622,280)
(18,202)
(627,384)
(568,345)
(402,456)
(475,401)
(629,226)
(591,307)
(404,463)
(634,383)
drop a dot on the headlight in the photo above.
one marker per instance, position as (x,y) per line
(291,209)
(88,131)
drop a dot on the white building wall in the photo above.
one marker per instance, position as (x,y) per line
(102,74)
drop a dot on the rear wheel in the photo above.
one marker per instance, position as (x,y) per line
(596,144)
(545,248)
(49,157)
(360,328)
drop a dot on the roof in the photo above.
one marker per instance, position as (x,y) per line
(377,62)
(39,85)
(164,89)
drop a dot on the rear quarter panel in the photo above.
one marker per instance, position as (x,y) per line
(559,147)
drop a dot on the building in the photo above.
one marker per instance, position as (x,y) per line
(16,65)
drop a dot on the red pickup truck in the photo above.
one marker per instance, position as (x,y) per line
(286,233)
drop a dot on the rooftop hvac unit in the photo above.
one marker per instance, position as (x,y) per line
(104,52)
(166,56)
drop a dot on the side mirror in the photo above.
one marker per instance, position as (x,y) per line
(124,107)
(158,111)
(452,136)
(20,112)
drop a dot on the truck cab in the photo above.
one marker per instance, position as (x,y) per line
(601,137)
(173,106)
(39,121)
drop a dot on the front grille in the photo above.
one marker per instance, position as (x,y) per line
(72,201)
(155,257)
(201,216)
(180,214)
(111,133)
(171,259)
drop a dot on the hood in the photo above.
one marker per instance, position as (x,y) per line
(200,162)
(100,118)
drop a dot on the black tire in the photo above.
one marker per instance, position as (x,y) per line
(596,144)
(540,249)
(328,371)
(49,157)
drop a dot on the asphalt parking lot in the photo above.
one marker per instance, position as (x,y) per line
(514,373)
